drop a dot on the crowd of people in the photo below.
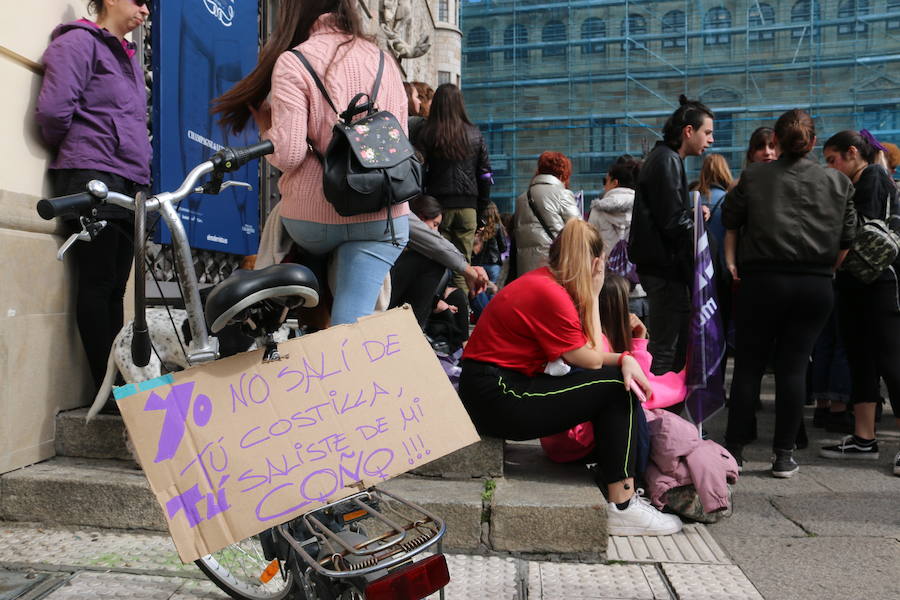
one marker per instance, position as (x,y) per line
(560,347)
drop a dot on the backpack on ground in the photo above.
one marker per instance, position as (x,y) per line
(370,163)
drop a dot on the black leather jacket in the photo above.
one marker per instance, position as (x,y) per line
(459,183)
(662,228)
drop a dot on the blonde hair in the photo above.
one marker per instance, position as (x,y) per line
(571,254)
(715,171)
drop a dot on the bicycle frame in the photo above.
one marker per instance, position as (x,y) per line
(203,347)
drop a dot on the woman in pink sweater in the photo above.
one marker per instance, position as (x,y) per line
(282,97)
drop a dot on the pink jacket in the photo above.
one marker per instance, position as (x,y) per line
(679,457)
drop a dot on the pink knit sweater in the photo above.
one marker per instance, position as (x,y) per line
(299,110)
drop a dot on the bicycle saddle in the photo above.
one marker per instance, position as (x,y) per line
(290,285)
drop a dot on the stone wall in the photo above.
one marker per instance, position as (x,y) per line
(42,368)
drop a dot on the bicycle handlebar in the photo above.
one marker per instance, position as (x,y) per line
(56,207)
(232,159)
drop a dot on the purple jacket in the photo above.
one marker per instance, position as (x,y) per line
(93,105)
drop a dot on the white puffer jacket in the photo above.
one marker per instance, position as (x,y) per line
(611,214)
(556,205)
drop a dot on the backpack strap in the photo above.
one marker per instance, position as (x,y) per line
(538,215)
(315,77)
(319,156)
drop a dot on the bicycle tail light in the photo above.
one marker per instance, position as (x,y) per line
(412,582)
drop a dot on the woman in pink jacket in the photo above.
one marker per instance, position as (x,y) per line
(291,112)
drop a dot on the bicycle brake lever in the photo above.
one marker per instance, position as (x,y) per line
(243,184)
(89,231)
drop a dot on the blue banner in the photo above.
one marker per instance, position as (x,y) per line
(705,370)
(201,48)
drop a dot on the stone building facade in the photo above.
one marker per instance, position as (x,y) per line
(596,79)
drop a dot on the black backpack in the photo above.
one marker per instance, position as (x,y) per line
(370,163)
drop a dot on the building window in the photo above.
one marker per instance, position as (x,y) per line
(851,9)
(760,16)
(893,9)
(479,37)
(592,29)
(444,77)
(717,18)
(673,22)
(601,140)
(554,31)
(632,25)
(444,10)
(805,12)
(515,35)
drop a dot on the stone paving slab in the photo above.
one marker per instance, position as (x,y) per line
(710,582)
(693,544)
(560,581)
(754,514)
(842,515)
(820,567)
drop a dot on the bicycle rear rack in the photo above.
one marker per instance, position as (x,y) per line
(397,545)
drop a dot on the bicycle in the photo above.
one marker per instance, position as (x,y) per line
(325,554)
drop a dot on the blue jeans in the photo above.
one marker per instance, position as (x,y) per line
(363,255)
(479,302)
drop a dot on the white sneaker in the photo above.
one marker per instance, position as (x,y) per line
(897,465)
(640,518)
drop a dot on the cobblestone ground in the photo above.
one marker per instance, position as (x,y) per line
(72,563)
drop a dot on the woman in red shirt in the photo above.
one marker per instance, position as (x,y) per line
(548,314)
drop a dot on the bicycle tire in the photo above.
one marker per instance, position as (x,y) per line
(236,568)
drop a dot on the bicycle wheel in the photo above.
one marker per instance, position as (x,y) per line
(236,569)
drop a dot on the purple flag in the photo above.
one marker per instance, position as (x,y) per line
(705,376)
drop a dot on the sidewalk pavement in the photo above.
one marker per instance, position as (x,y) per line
(830,532)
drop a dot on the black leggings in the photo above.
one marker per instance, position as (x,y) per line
(513,406)
(786,311)
(104,265)
(414,280)
(869,317)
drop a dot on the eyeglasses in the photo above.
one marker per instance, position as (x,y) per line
(141,3)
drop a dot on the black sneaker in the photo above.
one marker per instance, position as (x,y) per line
(784,465)
(851,447)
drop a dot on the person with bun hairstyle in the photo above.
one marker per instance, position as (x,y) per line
(281,95)
(661,242)
(868,313)
(797,221)
(548,314)
(92,112)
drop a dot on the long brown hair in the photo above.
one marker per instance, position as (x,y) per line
(294,21)
(714,171)
(444,134)
(571,255)
(614,312)
(492,221)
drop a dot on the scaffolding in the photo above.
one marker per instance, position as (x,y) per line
(597,78)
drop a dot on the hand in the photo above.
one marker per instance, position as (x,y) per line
(441,306)
(476,279)
(632,372)
(262,116)
(732,268)
(706,214)
(638,329)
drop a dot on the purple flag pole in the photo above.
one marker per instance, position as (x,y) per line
(705,369)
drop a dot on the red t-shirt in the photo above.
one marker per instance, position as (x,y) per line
(531,322)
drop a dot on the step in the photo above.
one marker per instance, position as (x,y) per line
(482,459)
(103,437)
(538,507)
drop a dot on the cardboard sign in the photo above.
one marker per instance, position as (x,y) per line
(237,446)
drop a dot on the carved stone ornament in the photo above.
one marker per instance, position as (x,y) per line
(397,23)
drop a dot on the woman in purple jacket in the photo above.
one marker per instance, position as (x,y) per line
(92,112)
